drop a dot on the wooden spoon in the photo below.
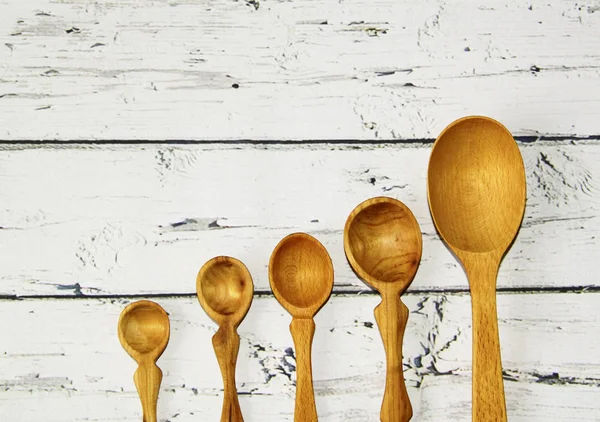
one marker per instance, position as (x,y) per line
(476,191)
(224,287)
(144,333)
(301,277)
(383,244)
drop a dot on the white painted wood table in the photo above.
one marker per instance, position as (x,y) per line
(141,138)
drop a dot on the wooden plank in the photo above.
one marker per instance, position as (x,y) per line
(142,220)
(294,70)
(70,358)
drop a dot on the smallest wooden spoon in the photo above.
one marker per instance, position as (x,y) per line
(144,333)
(224,287)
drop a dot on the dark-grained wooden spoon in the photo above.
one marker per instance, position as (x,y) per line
(383,244)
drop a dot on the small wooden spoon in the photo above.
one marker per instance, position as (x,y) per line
(301,277)
(383,244)
(224,287)
(144,333)
(477,191)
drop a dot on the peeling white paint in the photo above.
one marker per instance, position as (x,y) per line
(115,218)
(143,219)
(541,349)
(303,70)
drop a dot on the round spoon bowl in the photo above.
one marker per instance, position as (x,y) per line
(224,287)
(383,242)
(144,329)
(476,185)
(301,274)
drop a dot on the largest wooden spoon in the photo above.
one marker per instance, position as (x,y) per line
(476,191)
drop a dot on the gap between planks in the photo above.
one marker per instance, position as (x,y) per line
(341,292)
(142,220)
(8,144)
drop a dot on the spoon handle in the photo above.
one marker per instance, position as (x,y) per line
(488,386)
(391,316)
(226,343)
(147,379)
(303,331)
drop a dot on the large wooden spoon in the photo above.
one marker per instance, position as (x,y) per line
(301,277)
(477,190)
(144,333)
(383,244)
(224,287)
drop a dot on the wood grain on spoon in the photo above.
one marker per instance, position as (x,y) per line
(301,277)
(383,244)
(144,333)
(477,192)
(225,288)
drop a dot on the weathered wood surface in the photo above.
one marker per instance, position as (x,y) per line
(71,363)
(112,219)
(142,220)
(301,69)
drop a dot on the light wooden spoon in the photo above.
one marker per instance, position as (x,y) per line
(224,287)
(301,277)
(383,244)
(476,191)
(144,333)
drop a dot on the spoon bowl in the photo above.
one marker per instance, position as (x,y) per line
(383,243)
(144,329)
(224,286)
(301,274)
(476,189)
(476,173)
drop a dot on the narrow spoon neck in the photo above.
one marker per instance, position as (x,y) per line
(147,358)
(481,270)
(391,291)
(227,326)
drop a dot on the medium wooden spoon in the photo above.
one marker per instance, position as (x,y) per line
(224,287)
(477,191)
(301,277)
(144,333)
(383,244)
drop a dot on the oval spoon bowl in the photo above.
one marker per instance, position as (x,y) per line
(225,288)
(476,185)
(301,274)
(144,329)
(383,242)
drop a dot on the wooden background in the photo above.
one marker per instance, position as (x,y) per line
(141,138)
